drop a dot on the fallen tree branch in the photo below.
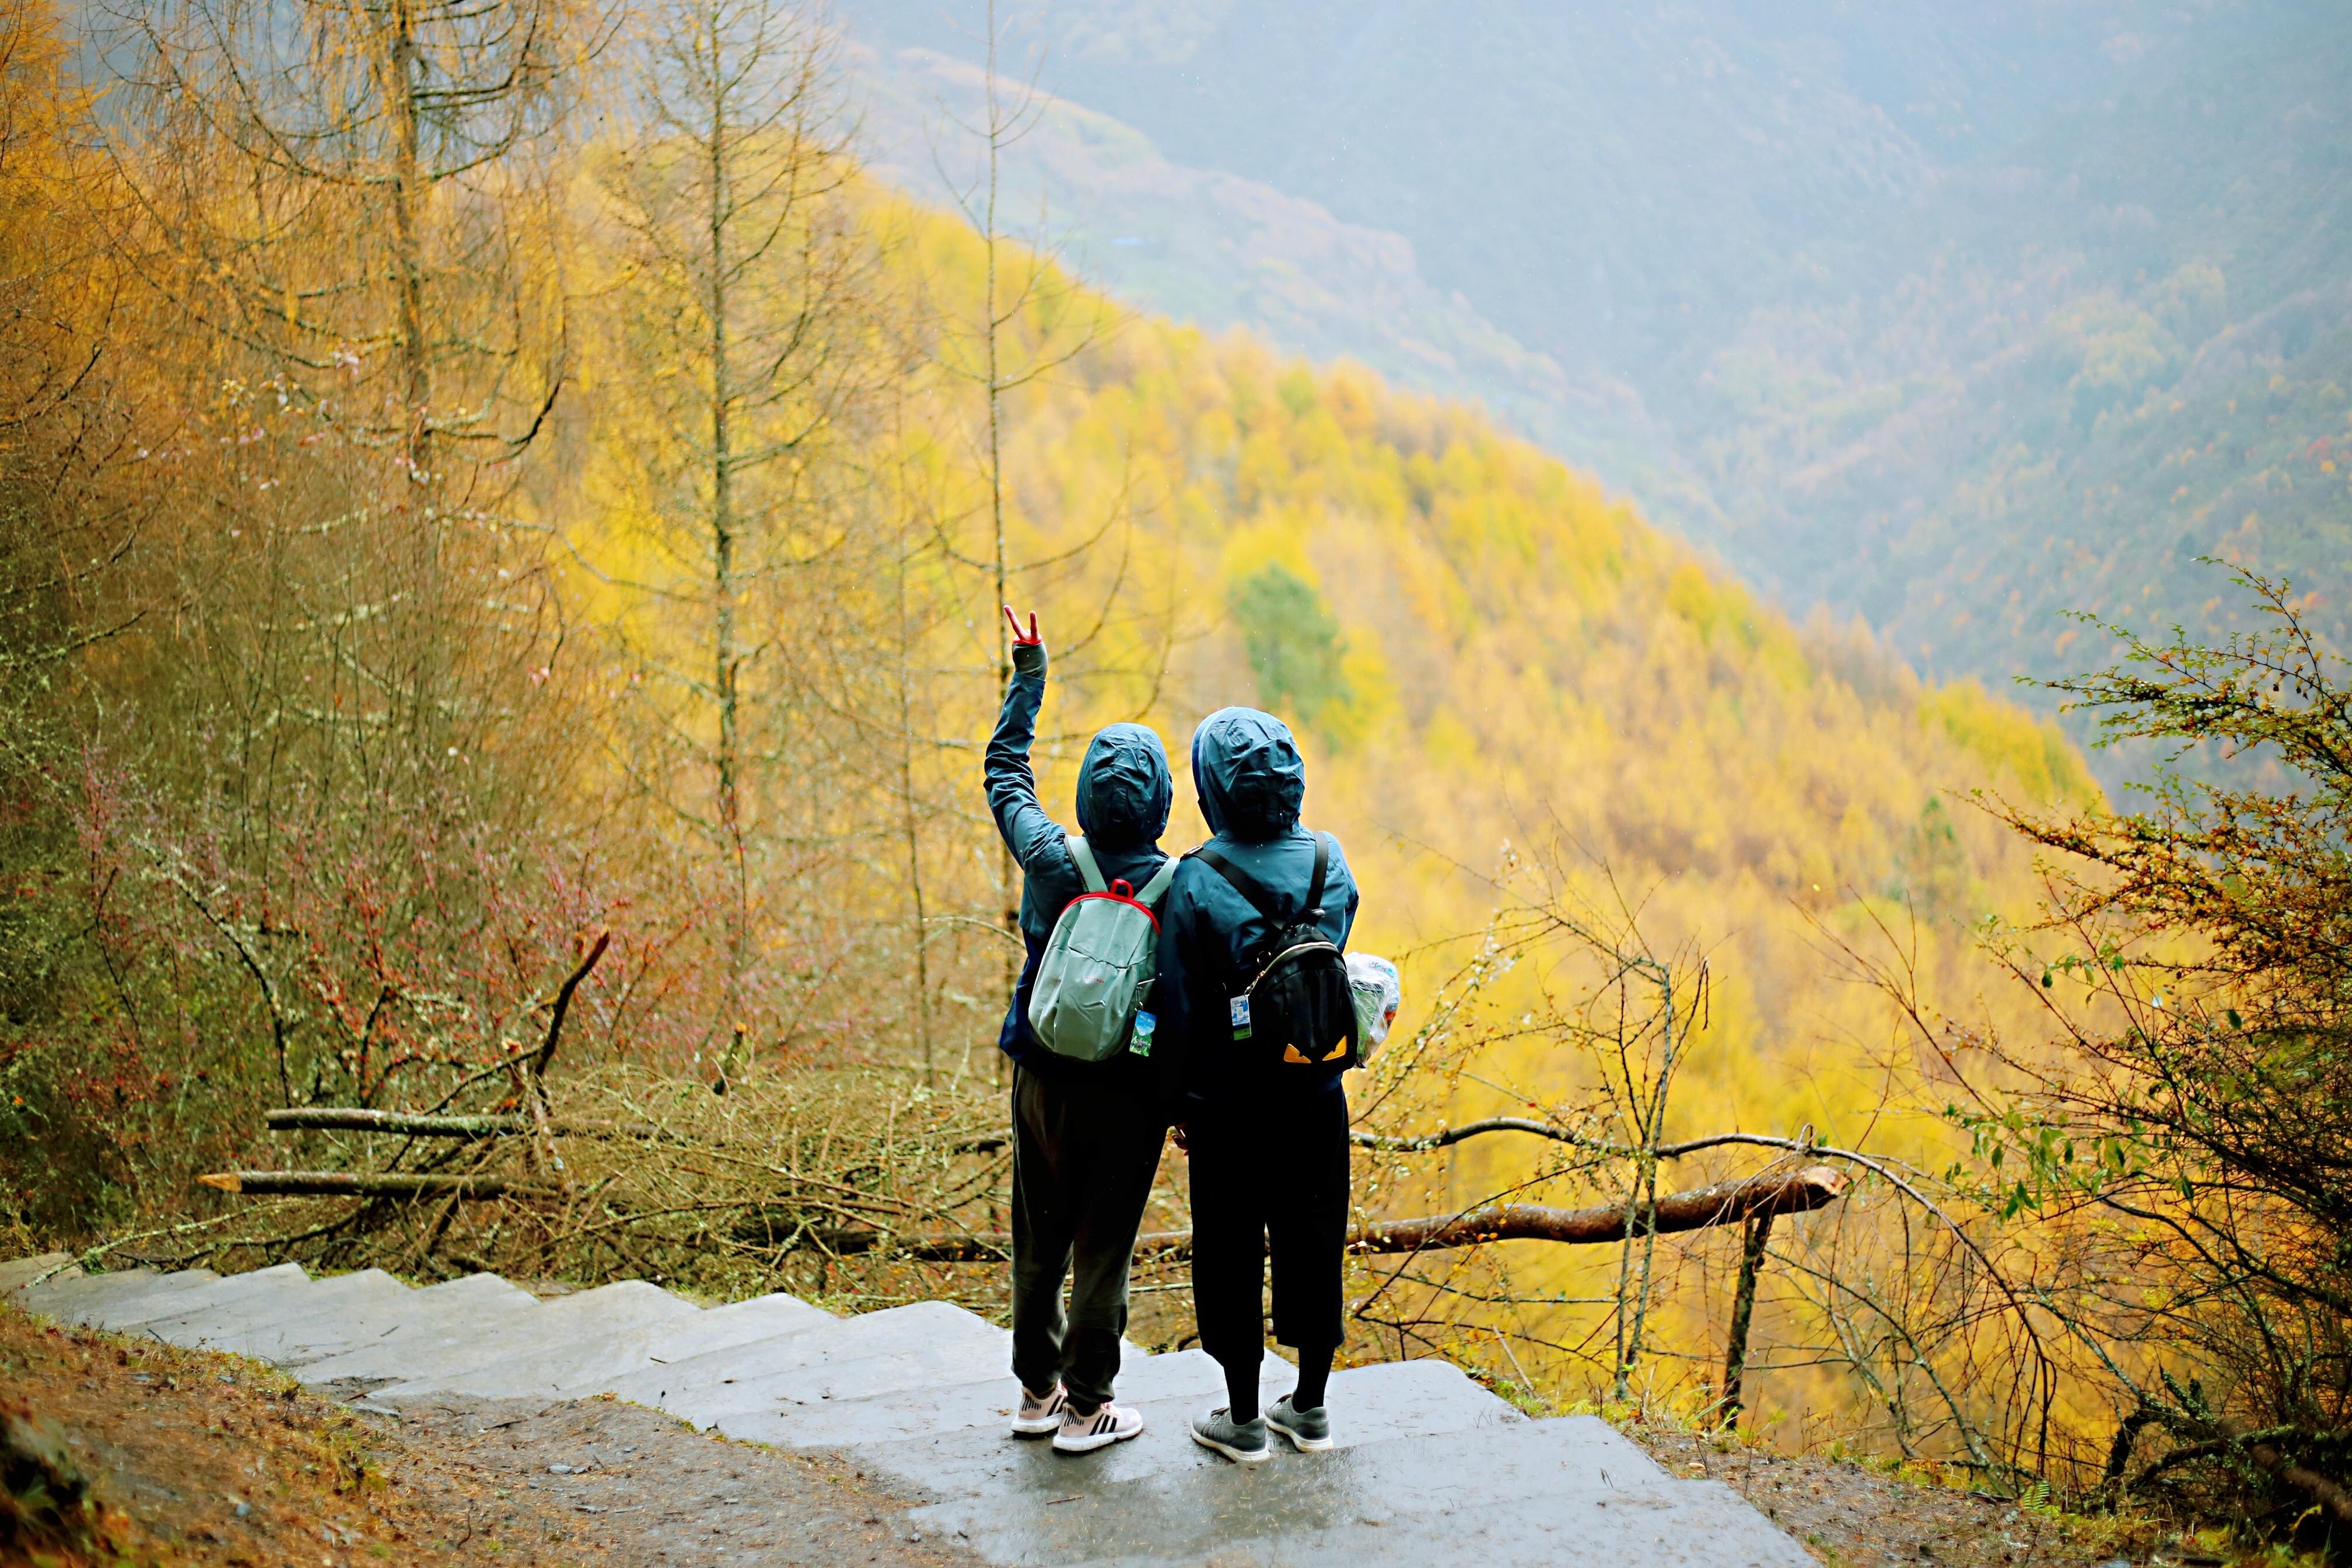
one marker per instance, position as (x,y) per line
(353,1119)
(1724,1203)
(372,1184)
(2332,1498)
(2262,1449)
(88,1260)
(546,1053)
(1422,1142)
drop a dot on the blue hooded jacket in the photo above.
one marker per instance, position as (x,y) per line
(1124,793)
(1251,785)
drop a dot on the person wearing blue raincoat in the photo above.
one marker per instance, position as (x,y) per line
(1086,1135)
(1268,1153)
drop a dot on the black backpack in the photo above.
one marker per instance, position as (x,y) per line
(1295,1009)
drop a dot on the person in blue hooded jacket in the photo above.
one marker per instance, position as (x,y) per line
(1086,1135)
(1268,1150)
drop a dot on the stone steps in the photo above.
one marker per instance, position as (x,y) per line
(279,1326)
(1370,1404)
(167,1297)
(18,1272)
(590,1366)
(1430,1469)
(900,1415)
(481,1320)
(1697,1524)
(707,1389)
(68,1295)
(1565,1493)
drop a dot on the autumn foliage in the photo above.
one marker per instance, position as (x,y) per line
(451,542)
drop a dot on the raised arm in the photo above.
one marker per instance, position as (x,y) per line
(1029,832)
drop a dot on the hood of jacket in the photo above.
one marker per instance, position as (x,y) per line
(1124,788)
(1247,771)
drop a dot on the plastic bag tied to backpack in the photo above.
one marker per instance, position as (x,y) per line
(1379,993)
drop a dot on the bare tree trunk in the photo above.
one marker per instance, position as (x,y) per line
(912,825)
(725,657)
(1743,1310)
(1646,1190)
(1006,882)
(412,501)
(417,381)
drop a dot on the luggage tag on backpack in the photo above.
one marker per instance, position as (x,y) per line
(1241,1016)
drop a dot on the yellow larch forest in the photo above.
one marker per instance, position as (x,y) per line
(681,625)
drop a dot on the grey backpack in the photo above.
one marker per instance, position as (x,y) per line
(1099,965)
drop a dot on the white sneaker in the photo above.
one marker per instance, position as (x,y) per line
(1085,1433)
(1040,1412)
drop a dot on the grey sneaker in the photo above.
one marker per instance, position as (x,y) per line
(1097,1429)
(1040,1414)
(1310,1431)
(1242,1442)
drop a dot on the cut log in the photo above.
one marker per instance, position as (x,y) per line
(1725,1203)
(372,1184)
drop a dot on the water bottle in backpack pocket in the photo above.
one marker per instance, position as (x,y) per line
(1380,991)
(1295,1008)
(1099,965)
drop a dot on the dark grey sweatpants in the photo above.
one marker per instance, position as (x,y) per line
(1084,1152)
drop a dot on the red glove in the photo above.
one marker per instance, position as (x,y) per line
(1029,646)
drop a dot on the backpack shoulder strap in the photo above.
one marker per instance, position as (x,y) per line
(1150,894)
(1314,907)
(1247,886)
(1090,874)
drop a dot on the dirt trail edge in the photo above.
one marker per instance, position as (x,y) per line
(208,1460)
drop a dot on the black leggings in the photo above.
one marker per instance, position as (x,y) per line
(1269,1175)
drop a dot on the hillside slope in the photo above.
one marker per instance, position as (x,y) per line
(1484,653)
(1482,649)
(2114,348)
(1222,250)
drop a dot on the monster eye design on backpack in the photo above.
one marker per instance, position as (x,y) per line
(1297,1008)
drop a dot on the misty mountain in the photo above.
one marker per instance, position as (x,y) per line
(1952,318)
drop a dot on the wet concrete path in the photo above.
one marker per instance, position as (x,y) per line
(1430,1470)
